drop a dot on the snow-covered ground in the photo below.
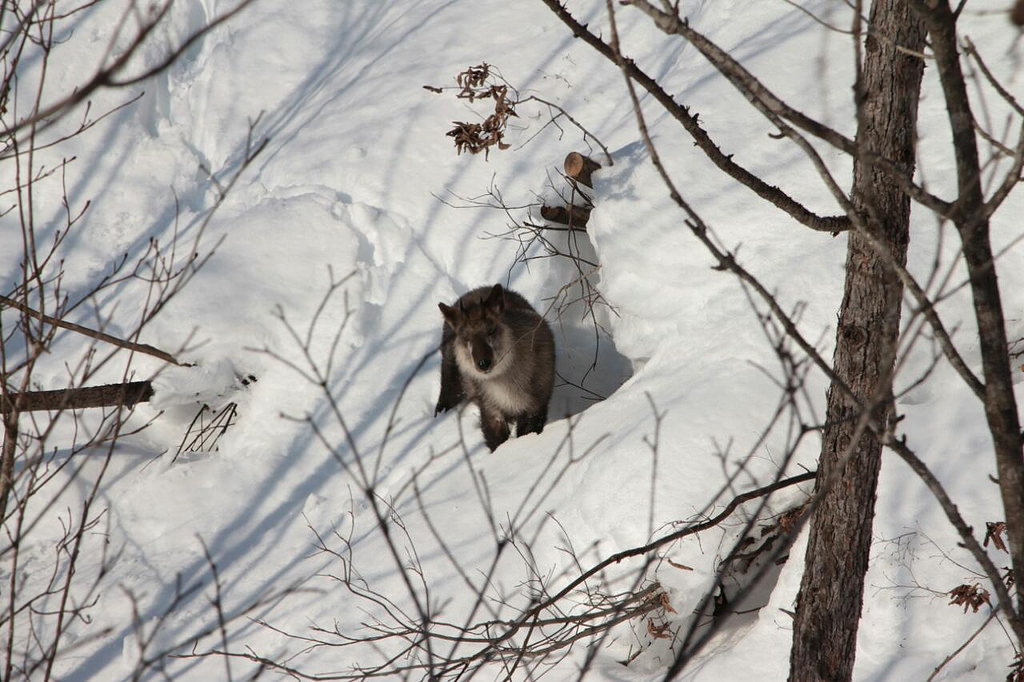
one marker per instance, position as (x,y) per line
(358,184)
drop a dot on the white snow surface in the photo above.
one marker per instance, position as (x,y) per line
(359,183)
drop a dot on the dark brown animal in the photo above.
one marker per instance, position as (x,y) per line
(497,352)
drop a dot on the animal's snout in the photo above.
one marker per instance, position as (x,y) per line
(483,355)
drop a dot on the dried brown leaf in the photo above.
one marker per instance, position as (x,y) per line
(995,534)
(969,596)
(657,631)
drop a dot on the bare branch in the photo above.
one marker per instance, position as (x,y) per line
(107,77)
(770,193)
(966,533)
(92,333)
(110,395)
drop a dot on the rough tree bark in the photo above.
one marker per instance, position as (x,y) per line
(829,602)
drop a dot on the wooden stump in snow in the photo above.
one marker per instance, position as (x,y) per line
(580,168)
(574,216)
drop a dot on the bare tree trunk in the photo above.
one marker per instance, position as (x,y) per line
(970,215)
(7,453)
(829,603)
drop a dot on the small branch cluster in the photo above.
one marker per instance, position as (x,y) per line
(206,429)
(754,547)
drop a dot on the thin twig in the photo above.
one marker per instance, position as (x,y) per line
(92,333)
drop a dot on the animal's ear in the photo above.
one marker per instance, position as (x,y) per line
(451,314)
(496,299)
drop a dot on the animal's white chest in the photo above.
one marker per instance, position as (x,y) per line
(506,396)
(499,387)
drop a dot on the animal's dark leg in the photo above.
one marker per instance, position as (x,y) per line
(495,428)
(452,393)
(532,423)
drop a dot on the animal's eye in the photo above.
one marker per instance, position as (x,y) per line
(492,331)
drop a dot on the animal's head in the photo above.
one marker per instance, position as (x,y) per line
(481,339)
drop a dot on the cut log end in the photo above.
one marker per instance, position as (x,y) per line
(580,168)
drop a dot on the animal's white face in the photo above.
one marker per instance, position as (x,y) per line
(482,338)
(483,353)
